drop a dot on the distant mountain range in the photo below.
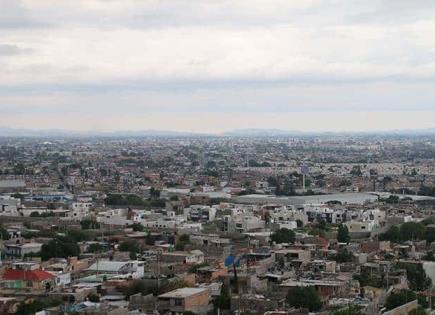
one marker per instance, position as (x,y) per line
(42,133)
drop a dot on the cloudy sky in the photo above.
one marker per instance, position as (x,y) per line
(217,65)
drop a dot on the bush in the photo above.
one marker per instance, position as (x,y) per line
(304,297)
(416,276)
(87,224)
(283,236)
(129,246)
(398,298)
(126,200)
(37,305)
(95,248)
(62,247)
(137,227)
(343,256)
(343,234)
(408,231)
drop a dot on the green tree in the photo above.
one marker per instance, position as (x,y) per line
(182,242)
(137,227)
(95,248)
(304,297)
(4,235)
(417,278)
(397,298)
(34,306)
(343,234)
(412,231)
(393,235)
(129,246)
(61,247)
(77,235)
(430,256)
(223,301)
(87,224)
(392,199)
(283,236)
(343,256)
(408,231)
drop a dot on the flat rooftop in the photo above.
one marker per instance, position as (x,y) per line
(182,293)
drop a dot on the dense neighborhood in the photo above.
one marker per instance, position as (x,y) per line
(217,225)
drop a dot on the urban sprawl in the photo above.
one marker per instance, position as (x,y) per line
(307,224)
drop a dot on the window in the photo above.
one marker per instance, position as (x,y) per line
(178,302)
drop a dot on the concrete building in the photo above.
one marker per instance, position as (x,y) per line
(21,250)
(183,300)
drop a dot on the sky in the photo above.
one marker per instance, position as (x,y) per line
(217,65)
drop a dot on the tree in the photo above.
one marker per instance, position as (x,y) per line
(129,246)
(343,234)
(137,227)
(393,235)
(95,248)
(408,231)
(87,224)
(77,235)
(223,301)
(34,306)
(61,247)
(343,256)
(427,191)
(4,235)
(392,199)
(182,242)
(412,231)
(283,236)
(304,297)
(397,298)
(417,278)
(430,256)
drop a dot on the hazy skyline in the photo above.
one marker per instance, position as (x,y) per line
(217,65)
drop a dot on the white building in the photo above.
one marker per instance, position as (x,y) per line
(9,206)
(200,213)
(80,210)
(133,268)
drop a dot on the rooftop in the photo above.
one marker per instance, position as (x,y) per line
(182,293)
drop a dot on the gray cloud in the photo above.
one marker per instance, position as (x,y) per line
(96,57)
(11,50)
(13,15)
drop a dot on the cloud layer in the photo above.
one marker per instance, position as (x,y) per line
(96,58)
